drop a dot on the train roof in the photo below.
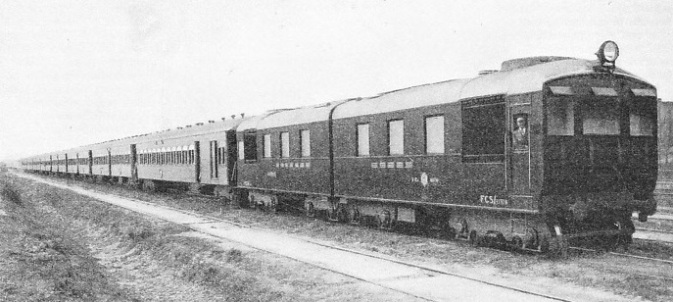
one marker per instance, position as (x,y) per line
(295,116)
(516,77)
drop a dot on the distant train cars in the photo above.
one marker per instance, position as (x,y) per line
(545,150)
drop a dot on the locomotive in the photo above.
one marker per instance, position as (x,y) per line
(543,152)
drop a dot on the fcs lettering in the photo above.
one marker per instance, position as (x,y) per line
(493,200)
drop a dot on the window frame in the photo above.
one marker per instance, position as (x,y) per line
(284,144)
(358,152)
(390,138)
(473,138)
(304,143)
(441,135)
(268,153)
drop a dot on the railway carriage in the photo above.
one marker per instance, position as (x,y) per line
(544,150)
(201,156)
(285,154)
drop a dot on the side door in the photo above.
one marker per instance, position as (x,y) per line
(519,150)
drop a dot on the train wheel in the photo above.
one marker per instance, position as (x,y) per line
(149,186)
(353,215)
(558,247)
(273,205)
(251,202)
(384,220)
(342,213)
(624,238)
(475,239)
(517,243)
(448,232)
(309,210)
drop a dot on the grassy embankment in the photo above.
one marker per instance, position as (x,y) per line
(49,238)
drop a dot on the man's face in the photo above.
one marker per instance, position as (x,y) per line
(520,122)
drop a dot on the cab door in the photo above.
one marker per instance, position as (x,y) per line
(519,150)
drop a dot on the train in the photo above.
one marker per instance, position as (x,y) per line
(665,179)
(544,152)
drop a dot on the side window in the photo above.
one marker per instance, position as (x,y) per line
(267,145)
(362,139)
(484,129)
(241,150)
(520,131)
(396,137)
(285,144)
(305,139)
(642,119)
(250,142)
(560,117)
(434,135)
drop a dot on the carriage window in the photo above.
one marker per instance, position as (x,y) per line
(241,150)
(601,117)
(484,128)
(560,117)
(363,139)
(285,144)
(396,137)
(434,135)
(642,121)
(305,139)
(520,131)
(267,145)
(250,141)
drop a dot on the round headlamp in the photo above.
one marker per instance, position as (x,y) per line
(608,52)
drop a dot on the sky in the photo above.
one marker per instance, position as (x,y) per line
(76,72)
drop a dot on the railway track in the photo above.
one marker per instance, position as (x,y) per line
(650,259)
(416,280)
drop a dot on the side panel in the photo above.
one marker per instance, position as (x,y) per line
(448,178)
(167,160)
(294,173)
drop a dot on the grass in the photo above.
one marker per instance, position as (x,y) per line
(155,254)
(41,258)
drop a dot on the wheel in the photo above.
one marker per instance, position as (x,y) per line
(353,215)
(273,206)
(251,202)
(384,220)
(448,232)
(558,247)
(310,209)
(475,240)
(517,242)
(341,213)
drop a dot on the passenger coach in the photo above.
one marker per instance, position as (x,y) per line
(542,148)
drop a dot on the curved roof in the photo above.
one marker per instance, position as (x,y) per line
(514,80)
(413,97)
(285,117)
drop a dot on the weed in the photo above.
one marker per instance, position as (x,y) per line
(11,194)
(234,255)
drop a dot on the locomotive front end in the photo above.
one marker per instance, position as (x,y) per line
(600,152)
